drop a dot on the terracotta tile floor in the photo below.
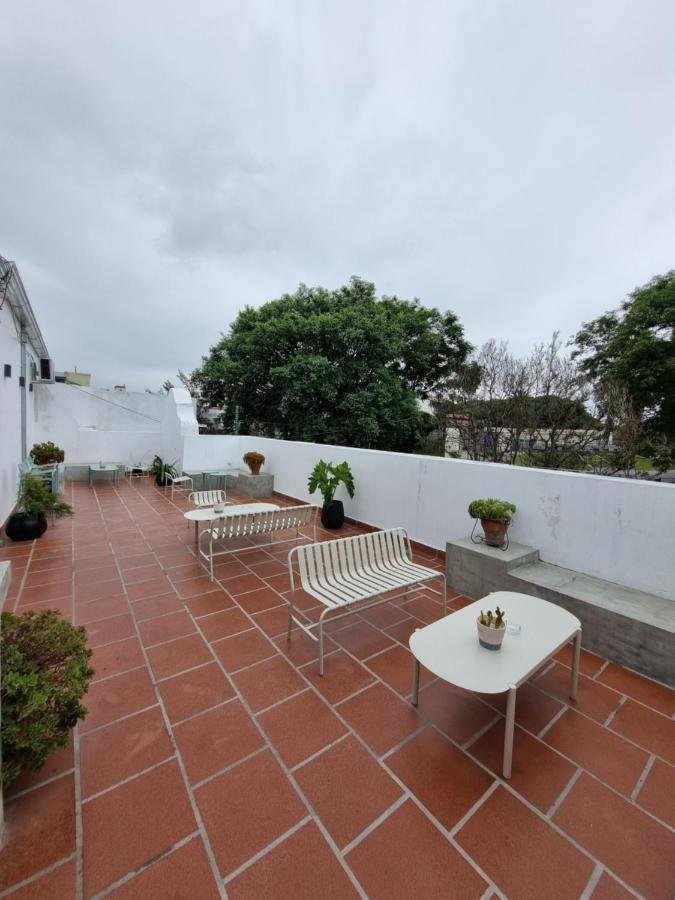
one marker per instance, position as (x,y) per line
(216,762)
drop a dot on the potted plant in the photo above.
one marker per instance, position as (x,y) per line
(46,453)
(491,629)
(495,517)
(326,477)
(161,471)
(254,461)
(45,675)
(35,502)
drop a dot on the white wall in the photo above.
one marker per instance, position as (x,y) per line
(10,409)
(93,425)
(614,528)
(178,424)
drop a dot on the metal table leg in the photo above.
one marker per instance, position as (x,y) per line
(574,680)
(416,681)
(508,732)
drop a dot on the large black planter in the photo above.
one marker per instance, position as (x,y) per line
(333,516)
(25,526)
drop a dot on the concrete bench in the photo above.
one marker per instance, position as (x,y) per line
(348,571)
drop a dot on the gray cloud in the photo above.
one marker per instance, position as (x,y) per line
(161,167)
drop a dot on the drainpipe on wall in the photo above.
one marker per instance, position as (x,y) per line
(24,447)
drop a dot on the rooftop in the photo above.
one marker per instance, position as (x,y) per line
(215,760)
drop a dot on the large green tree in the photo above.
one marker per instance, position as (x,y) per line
(339,367)
(634,347)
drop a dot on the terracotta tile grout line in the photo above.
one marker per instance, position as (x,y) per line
(37,875)
(115,674)
(643,777)
(315,756)
(131,875)
(181,765)
(562,796)
(551,722)
(229,768)
(375,824)
(203,712)
(135,712)
(485,796)
(128,779)
(265,850)
(610,717)
(481,731)
(592,882)
(34,787)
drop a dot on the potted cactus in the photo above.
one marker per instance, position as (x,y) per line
(254,461)
(495,517)
(491,628)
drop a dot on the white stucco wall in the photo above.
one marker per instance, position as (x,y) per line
(614,528)
(10,409)
(93,425)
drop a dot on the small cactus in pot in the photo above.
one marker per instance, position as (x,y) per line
(491,628)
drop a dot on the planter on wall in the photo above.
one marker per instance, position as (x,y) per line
(495,532)
(25,526)
(333,516)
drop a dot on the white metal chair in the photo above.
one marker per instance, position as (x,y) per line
(346,571)
(179,483)
(207,498)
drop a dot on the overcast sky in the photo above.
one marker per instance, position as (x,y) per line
(162,164)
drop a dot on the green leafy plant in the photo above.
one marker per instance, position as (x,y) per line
(45,453)
(491,620)
(326,478)
(162,470)
(45,674)
(35,498)
(494,510)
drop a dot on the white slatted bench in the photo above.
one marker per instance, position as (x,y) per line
(347,571)
(207,498)
(245,525)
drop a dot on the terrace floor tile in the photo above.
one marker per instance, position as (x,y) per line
(380,717)
(194,691)
(186,870)
(300,727)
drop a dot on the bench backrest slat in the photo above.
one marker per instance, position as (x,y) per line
(247,524)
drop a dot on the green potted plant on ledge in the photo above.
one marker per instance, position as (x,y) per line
(326,477)
(34,504)
(46,453)
(495,517)
(162,471)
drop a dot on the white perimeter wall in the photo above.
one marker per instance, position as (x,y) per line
(95,425)
(614,528)
(10,410)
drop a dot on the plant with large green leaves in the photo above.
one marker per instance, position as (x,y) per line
(334,367)
(36,499)
(327,477)
(45,674)
(162,470)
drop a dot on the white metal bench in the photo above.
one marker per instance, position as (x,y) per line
(246,525)
(207,498)
(346,571)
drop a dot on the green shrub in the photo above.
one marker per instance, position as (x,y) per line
(35,498)
(496,510)
(45,674)
(45,453)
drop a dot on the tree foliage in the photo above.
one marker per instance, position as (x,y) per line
(634,347)
(45,674)
(339,367)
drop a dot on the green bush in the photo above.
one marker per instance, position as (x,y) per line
(495,510)
(45,453)
(45,674)
(35,498)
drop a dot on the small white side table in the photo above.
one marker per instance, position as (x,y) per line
(449,648)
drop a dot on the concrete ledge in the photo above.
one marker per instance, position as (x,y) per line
(629,627)
(248,485)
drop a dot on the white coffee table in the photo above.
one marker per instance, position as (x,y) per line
(449,648)
(208,513)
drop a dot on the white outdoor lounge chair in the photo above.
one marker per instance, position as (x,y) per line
(346,571)
(179,483)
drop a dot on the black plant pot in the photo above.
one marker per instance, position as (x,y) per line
(160,482)
(25,526)
(333,516)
